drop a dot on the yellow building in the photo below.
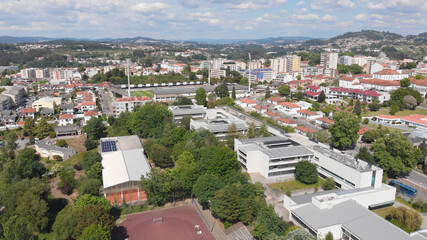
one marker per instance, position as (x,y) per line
(47,102)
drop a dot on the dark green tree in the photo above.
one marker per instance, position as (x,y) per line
(267,93)
(29,127)
(205,188)
(227,203)
(182,101)
(233,93)
(357,108)
(201,96)
(43,128)
(405,82)
(344,131)
(94,129)
(157,186)
(306,172)
(329,184)
(65,223)
(268,222)
(299,95)
(222,90)
(161,156)
(321,97)
(365,155)
(90,144)
(284,90)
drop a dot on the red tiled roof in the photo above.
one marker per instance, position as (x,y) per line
(363,130)
(28,110)
(326,120)
(416,118)
(357,91)
(66,116)
(91,113)
(247,100)
(308,112)
(259,107)
(21,123)
(87,103)
(385,116)
(290,105)
(69,86)
(387,72)
(274,114)
(419,82)
(310,93)
(275,99)
(313,87)
(305,129)
(350,79)
(287,120)
(380,82)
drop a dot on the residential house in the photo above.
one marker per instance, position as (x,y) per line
(66,119)
(246,102)
(303,130)
(308,114)
(28,112)
(287,122)
(289,107)
(90,114)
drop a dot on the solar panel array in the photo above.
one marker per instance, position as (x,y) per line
(108,146)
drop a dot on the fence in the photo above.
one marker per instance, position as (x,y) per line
(213,227)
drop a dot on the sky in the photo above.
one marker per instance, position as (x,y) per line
(215,19)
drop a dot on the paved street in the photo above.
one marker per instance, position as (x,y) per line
(105,102)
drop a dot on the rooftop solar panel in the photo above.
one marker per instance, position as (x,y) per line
(108,146)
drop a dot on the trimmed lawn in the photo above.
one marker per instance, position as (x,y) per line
(384,111)
(383,211)
(295,185)
(141,93)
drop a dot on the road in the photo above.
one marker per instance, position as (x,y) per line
(105,102)
(398,126)
(418,178)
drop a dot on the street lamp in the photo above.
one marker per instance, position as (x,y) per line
(213,220)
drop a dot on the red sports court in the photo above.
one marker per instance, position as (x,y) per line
(179,223)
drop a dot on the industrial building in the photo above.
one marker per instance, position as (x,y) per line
(124,163)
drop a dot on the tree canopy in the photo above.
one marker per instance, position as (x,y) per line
(344,131)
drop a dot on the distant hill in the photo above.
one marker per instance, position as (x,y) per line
(269,41)
(13,40)
(368,34)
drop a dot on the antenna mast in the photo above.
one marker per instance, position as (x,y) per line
(128,70)
(249,78)
(209,69)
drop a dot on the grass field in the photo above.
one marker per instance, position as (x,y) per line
(295,185)
(375,126)
(383,111)
(141,93)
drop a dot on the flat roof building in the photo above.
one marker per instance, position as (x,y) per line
(270,156)
(193,111)
(124,163)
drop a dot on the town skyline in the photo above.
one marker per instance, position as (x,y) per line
(215,19)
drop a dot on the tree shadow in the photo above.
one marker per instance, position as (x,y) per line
(120,233)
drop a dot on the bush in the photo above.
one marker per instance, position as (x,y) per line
(329,184)
(420,205)
(408,218)
(306,172)
(58,158)
(52,134)
(91,144)
(61,143)
(366,121)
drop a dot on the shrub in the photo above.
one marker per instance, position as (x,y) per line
(61,143)
(329,184)
(306,172)
(52,134)
(366,121)
(91,144)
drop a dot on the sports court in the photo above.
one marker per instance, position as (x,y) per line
(179,223)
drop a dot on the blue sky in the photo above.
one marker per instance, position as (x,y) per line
(219,19)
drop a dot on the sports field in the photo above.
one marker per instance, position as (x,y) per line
(142,93)
(179,223)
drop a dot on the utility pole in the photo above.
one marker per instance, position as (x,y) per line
(209,69)
(128,70)
(249,78)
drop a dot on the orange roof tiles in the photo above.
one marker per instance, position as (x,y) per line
(308,112)
(66,116)
(274,114)
(287,120)
(247,100)
(290,105)
(305,129)
(326,120)
(28,110)
(91,113)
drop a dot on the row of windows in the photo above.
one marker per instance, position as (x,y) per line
(346,235)
(272,174)
(282,166)
(338,176)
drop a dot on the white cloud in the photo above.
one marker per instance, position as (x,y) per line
(304,17)
(300,3)
(212,21)
(329,18)
(377,16)
(150,7)
(361,17)
(328,5)
(245,27)
(199,14)
(410,21)
(300,10)
(399,5)
(257,5)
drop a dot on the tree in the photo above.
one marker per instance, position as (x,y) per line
(87,200)
(252,133)
(394,108)
(201,96)
(322,135)
(419,77)
(423,148)
(16,228)
(10,139)
(398,95)
(93,215)
(366,121)
(267,93)
(182,101)
(185,172)
(89,186)
(43,129)
(344,131)
(405,82)
(95,171)
(299,234)
(61,143)
(94,129)
(268,222)
(395,154)
(222,90)
(205,188)
(284,90)
(192,76)
(357,108)
(95,231)
(25,165)
(90,144)
(227,203)
(329,184)
(321,97)
(160,155)
(33,209)
(374,106)
(365,155)
(29,127)
(67,183)
(407,217)
(329,236)
(306,172)
(231,135)
(157,187)
(149,120)
(225,101)
(217,160)
(65,223)
(299,95)
(233,93)
(90,158)
(410,102)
